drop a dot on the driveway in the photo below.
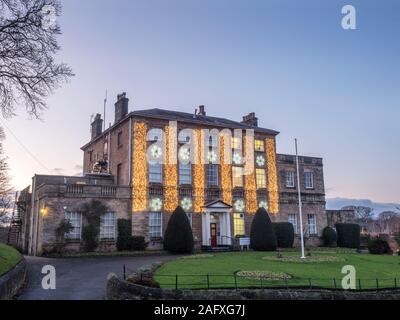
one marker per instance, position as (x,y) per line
(79,278)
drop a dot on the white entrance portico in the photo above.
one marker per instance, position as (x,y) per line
(216,224)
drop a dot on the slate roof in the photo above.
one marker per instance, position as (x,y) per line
(198,119)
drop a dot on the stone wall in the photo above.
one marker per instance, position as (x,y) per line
(12,281)
(118,289)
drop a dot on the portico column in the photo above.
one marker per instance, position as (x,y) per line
(206,228)
(228,225)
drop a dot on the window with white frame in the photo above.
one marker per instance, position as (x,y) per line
(236,143)
(292,218)
(289,179)
(155,134)
(308,180)
(312,224)
(185,173)
(261,178)
(155,172)
(107,226)
(212,141)
(237,177)
(238,224)
(212,175)
(75,219)
(155,225)
(259,145)
(184,136)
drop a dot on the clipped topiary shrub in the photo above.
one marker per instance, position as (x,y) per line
(178,235)
(348,235)
(124,234)
(329,237)
(378,246)
(284,233)
(262,235)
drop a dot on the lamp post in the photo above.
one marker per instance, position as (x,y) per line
(300,203)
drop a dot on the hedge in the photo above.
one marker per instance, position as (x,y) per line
(262,235)
(348,235)
(378,246)
(284,232)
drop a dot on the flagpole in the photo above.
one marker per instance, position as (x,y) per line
(300,203)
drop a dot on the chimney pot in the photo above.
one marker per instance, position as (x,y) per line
(250,120)
(121,107)
(97,126)
(202,110)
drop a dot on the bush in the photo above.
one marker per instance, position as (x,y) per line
(137,243)
(90,237)
(124,234)
(262,235)
(284,232)
(348,235)
(329,237)
(178,235)
(378,246)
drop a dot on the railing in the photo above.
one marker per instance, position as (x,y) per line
(233,281)
(75,188)
(108,191)
(220,241)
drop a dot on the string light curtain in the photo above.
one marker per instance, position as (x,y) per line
(272,176)
(170,170)
(250,176)
(226,168)
(199,171)
(139,180)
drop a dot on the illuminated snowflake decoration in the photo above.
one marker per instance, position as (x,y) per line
(212,157)
(263,204)
(187,204)
(237,158)
(156,152)
(260,160)
(239,205)
(156,204)
(184,154)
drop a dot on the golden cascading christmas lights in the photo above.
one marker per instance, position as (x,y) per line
(226,171)
(199,171)
(250,179)
(170,171)
(272,176)
(139,180)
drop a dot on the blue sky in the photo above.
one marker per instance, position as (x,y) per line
(291,62)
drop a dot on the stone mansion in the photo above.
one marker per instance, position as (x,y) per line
(218,193)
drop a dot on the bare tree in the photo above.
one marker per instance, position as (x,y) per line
(388,221)
(5,187)
(28,45)
(364,215)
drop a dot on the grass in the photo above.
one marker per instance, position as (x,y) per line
(9,257)
(220,268)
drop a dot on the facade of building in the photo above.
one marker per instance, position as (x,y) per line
(151,161)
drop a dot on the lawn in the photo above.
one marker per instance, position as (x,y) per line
(9,257)
(322,269)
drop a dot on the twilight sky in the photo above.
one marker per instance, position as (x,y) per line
(336,90)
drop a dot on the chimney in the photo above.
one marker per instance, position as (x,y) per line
(202,111)
(97,126)
(121,107)
(250,120)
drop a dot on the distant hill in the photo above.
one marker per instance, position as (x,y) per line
(338,203)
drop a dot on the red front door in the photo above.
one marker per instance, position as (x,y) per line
(213,232)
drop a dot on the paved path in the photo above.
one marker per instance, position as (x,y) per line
(79,278)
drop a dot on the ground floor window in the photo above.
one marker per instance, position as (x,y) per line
(75,219)
(107,226)
(155,225)
(292,218)
(312,224)
(238,224)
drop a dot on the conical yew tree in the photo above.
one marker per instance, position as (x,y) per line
(262,235)
(178,236)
